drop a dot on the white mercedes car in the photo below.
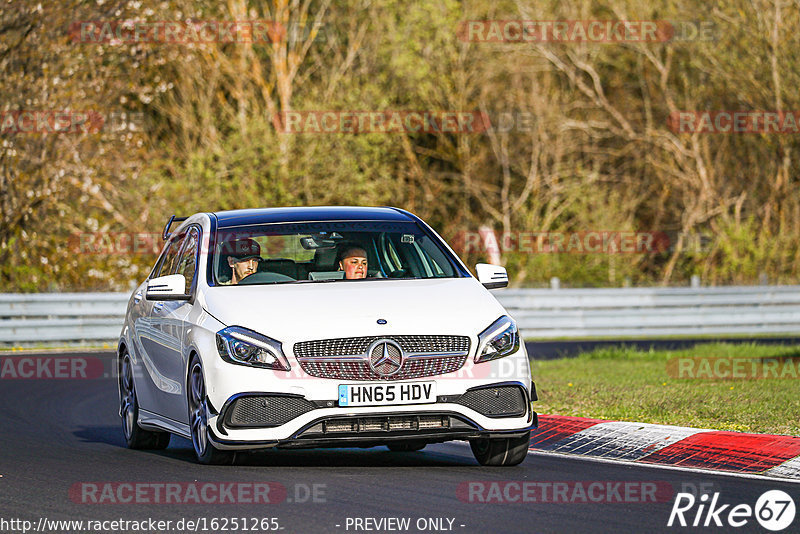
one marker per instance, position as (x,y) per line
(321,327)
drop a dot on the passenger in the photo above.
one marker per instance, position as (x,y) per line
(353,261)
(243,256)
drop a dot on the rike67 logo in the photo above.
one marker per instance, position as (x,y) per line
(774,510)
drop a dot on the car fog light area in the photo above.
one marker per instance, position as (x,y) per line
(244,347)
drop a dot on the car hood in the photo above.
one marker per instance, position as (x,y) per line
(296,312)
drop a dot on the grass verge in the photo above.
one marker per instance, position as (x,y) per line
(626,384)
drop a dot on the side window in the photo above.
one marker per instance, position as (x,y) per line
(390,257)
(188,262)
(434,259)
(170,261)
(425,260)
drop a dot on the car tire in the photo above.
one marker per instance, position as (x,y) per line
(205,452)
(501,451)
(406,446)
(135,436)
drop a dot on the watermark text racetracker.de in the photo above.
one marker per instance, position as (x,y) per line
(122,243)
(381,121)
(585,31)
(563,491)
(734,122)
(192,32)
(193,524)
(52,367)
(195,492)
(580,242)
(727,368)
(59,121)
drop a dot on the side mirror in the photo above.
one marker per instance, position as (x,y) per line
(492,276)
(170,287)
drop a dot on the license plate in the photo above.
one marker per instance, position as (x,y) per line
(386,394)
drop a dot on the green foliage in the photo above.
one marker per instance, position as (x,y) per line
(595,152)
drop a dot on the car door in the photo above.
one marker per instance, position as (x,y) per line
(169,320)
(154,341)
(178,324)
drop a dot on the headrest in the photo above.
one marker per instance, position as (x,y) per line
(325,259)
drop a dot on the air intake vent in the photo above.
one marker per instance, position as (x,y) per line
(384,425)
(501,401)
(265,410)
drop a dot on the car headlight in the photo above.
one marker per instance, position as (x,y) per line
(499,340)
(245,347)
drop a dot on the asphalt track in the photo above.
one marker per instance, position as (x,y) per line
(56,434)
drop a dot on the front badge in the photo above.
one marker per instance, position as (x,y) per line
(385,357)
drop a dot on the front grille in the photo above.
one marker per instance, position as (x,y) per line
(349,346)
(425,356)
(415,368)
(501,401)
(384,425)
(265,410)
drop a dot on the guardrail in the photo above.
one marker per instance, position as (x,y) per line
(627,312)
(96,318)
(61,318)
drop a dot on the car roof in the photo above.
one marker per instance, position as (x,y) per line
(227,219)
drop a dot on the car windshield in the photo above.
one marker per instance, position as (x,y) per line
(334,251)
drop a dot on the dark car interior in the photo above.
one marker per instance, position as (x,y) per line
(323,266)
(298,256)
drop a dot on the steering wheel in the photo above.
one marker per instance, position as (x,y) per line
(399,273)
(265,278)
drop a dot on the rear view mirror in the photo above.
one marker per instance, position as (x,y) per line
(491,276)
(170,287)
(310,243)
(322,240)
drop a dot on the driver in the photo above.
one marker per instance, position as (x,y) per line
(243,258)
(353,261)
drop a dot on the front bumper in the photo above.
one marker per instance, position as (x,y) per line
(323,426)
(458,427)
